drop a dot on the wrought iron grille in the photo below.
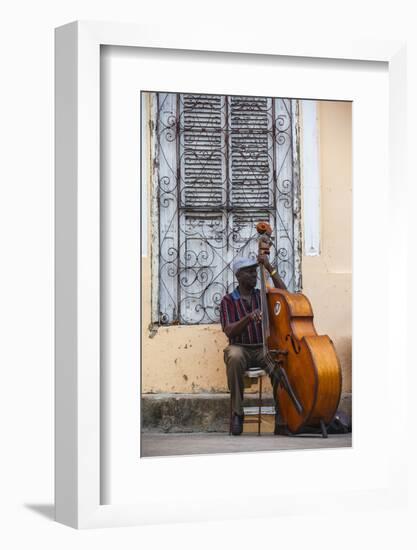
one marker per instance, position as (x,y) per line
(222,163)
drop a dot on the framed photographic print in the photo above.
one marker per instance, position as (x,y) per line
(170,154)
(219,166)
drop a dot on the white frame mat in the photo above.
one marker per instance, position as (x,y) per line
(78,405)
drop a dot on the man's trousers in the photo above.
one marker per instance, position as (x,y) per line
(238,359)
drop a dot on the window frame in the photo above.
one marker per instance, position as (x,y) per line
(152,116)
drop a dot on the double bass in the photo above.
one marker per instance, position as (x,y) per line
(304,364)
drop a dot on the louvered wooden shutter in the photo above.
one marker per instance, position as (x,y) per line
(202,149)
(203,221)
(251,152)
(251,169)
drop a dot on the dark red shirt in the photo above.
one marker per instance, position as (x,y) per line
(233,307)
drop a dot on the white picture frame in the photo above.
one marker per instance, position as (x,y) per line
(78,292)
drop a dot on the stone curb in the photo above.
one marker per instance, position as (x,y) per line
(202,412)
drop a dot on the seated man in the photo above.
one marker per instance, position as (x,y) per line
(240,317)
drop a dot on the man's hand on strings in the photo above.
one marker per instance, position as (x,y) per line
(256,315)
(278,282)
(263,259)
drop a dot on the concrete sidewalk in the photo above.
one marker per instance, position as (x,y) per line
(161,444)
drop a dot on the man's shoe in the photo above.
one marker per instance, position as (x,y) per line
(237,424)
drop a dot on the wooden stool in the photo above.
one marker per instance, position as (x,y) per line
(252,373)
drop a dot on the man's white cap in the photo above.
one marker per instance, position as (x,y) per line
(241,263)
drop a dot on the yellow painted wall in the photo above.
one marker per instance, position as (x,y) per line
(183,359)
(327,278)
